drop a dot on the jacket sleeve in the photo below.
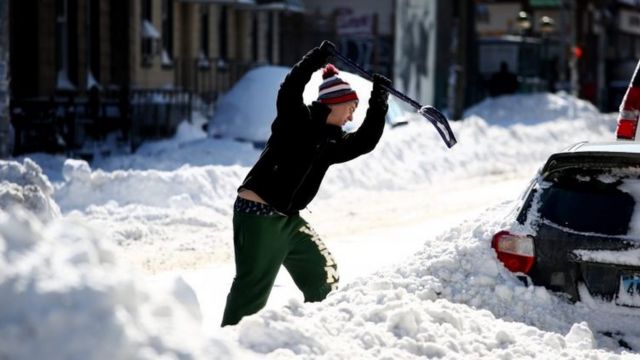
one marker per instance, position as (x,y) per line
(290,102)
(366,137)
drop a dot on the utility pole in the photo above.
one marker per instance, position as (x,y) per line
(6,137)
(459,69)
(573,60)
(601,31)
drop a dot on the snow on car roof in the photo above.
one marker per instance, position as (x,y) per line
(617,147)
(603,155)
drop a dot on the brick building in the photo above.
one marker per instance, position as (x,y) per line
(82,69)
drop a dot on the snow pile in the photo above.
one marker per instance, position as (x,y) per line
(531,109)
(170,155)
(186,132)
(187,187)
(25,185)
(452,300)
(173,198)
(182,211)
(65,295)
(248,109)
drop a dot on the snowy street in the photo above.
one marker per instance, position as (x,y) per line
(369,232)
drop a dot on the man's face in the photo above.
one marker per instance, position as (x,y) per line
(341,113)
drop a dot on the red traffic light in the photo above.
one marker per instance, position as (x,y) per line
(577,52)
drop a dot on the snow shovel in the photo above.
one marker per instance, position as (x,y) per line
(430,113)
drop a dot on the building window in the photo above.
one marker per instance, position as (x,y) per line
(62,45)
(203,54)
(270,34)
(149,33)
(94,43)
(167,32)
(625,46)
(255,37)
(222,34)
(483,14)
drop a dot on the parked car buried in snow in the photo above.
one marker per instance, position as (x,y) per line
(577,230)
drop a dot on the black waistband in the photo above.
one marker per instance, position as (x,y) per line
(253,208)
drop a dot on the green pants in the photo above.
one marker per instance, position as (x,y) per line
(262,244)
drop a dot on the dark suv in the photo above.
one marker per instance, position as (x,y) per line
(578,228)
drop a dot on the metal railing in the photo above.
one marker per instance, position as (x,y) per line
(156,113)
(64,121)
(208,78)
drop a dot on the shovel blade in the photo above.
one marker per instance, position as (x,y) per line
(440,122)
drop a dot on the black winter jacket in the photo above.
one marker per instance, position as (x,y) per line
(302,146)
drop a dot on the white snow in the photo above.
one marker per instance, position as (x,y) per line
(25,185)
(115,272)
(66,295)
(149,31)
(248,109)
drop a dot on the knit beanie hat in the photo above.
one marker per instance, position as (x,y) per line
(333,89)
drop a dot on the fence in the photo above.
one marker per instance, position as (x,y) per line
(156,113)
(208,78)
(65,121)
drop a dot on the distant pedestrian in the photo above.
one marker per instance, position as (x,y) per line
(305,140)
(503,82)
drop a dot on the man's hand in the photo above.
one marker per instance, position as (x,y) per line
(328,47)
(379,93)
(326,50)
(320,55)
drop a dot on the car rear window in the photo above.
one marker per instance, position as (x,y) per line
(588,206)
(587,202)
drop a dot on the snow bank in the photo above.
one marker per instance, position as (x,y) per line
(530,109)
(248,109)
(451,300)
(25,185)
(65,295)
(186,187)
(172,196)
(183,210)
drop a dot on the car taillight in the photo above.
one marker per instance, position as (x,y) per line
(514,251)
(627,124)
(628,115)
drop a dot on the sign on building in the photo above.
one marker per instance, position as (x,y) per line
(629,21)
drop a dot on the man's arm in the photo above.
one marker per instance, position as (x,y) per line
(366,138)
(290,94)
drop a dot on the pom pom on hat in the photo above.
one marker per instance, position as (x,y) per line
(329,71)
(333,89)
